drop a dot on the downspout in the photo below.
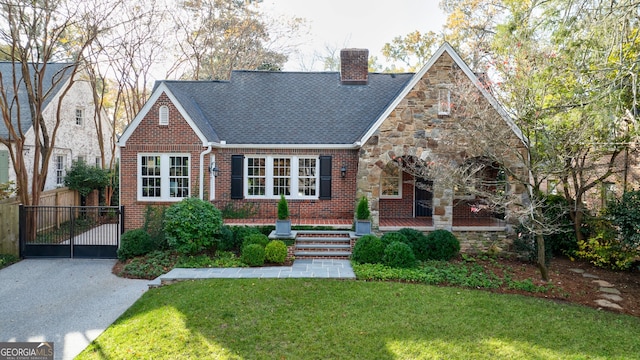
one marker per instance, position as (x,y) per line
(202,154)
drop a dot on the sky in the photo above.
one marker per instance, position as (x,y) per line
(365,24)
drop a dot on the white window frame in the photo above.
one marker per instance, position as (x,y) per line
(444,99)
(165,183)
(60,169)
(552,186)
(294,181)
(79,116)
(163,115)
(398,178)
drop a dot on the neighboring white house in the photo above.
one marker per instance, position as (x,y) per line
(76,137)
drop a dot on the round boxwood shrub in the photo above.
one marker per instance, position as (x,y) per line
(134,243)
(399,255)
(257,238)
(253,255)
(390,237)
(239,234)
(369,249)
(418,242)
(276,251)
(191,225)
(442,245)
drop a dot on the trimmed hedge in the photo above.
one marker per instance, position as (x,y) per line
(253,255)
(276,251)
(442,245)
(399,255)
(369,249)
(135,243)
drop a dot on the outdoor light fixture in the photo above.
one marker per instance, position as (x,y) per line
(214,169)
(343,171)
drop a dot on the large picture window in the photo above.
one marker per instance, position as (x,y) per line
(163,176)
(271,176)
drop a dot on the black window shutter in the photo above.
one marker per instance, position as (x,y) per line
(237,178)
(325,177)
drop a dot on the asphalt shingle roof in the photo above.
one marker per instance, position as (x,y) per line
(257,107)
(56,75)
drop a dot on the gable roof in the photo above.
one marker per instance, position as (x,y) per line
(56,76)
(258,108)
(444,48)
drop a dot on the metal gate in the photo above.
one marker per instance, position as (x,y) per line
(70,231)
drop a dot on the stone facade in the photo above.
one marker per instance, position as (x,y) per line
(418,128)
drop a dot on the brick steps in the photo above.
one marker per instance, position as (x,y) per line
(323,244)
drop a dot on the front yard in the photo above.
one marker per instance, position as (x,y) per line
(320,319)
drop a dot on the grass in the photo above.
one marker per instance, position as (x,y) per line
(321,319)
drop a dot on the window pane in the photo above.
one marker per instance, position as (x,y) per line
(179,176)
(256,176)
(150,176)
(306,177)
(281,176)
(390,182)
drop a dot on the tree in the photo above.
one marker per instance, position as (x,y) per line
(34,34)
(413,50)
(215,37)
(85,178)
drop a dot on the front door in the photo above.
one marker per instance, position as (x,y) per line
(423,198)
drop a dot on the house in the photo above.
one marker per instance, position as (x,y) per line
(76,137)
(323,139)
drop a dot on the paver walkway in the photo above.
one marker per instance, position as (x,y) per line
(608,293)
(311,268)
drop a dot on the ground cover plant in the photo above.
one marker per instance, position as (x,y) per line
(8,259)
(321,319)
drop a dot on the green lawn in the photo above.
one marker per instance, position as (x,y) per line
(327,319)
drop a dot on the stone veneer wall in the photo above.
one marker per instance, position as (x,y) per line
(414,128)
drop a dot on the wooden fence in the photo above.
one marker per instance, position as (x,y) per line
(10,219)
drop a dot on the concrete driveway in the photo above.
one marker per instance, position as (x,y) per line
(65,301)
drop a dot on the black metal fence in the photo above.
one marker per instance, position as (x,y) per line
(70,231)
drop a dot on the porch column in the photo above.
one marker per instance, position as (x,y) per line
(442,205)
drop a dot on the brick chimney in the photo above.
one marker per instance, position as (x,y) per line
(354,66)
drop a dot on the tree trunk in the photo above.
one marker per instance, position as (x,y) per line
(542,264)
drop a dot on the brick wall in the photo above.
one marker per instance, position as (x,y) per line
(178,137)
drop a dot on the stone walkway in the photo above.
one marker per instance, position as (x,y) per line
(609,295)
(312,268)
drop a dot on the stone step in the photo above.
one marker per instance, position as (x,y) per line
(323,239)
(323,246)
(322,254)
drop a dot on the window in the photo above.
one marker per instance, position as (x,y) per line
(292,176)
(163,115)
(98,162)
(60,160)
(79,116)
(444,100)
(307,177)
(608,192)
(164,176)
(80,158)
(391,183)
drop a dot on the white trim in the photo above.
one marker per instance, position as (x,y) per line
(162,88)
(446,47)
(201,169)
(212,179)
(164,177)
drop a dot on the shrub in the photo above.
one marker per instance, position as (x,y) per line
(442,245)
(191,225)
(253,255)
(276,252)
(418,242)
(362,211)
(369,249)
(260,239)
(134,243)
(399,255)
(604,249)
(8,259)
(625,214)
(239,234)
(150,266)
(283,208)
(555,210)
(390,237)
(85,178)
(153,225)
(226,239)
